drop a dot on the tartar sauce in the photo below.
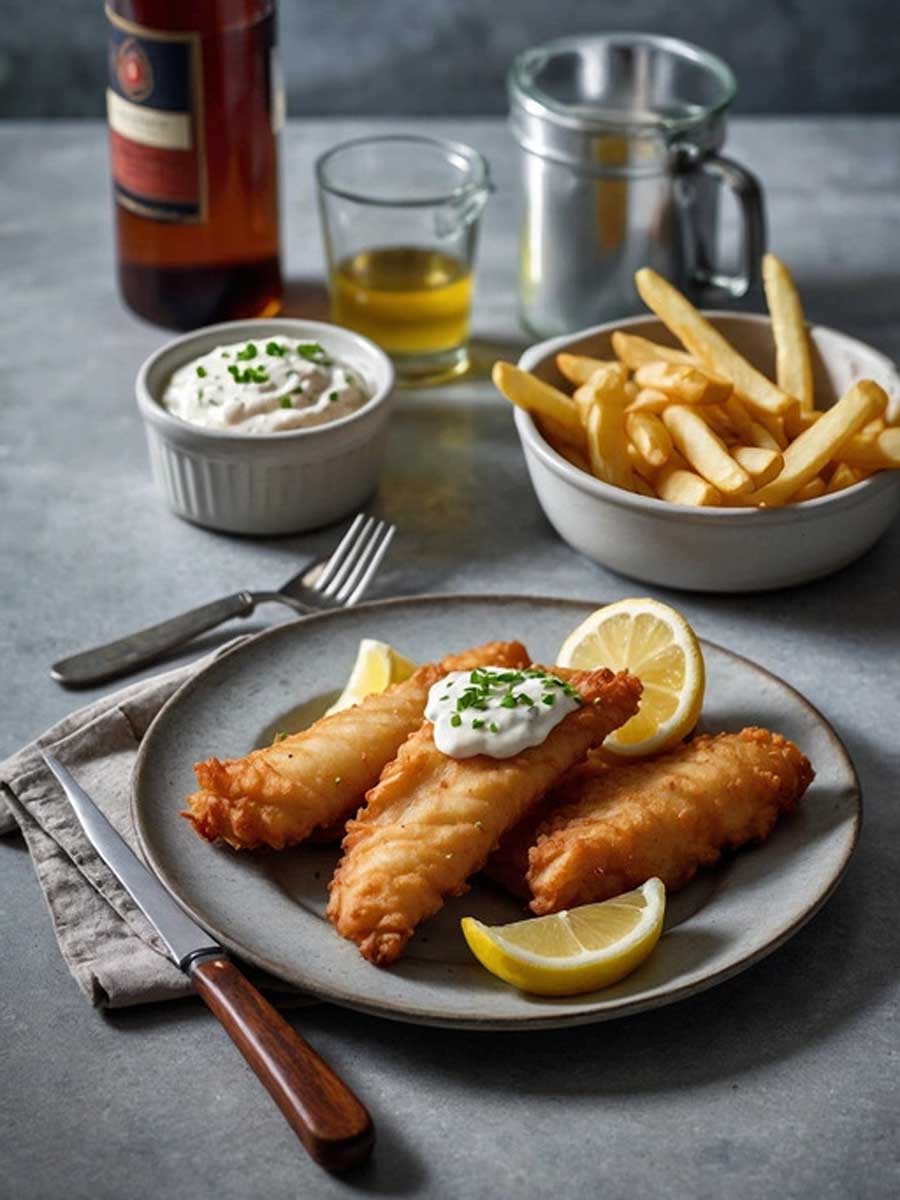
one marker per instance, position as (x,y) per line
(264,386)
(498,713)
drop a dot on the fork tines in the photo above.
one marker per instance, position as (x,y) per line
(351,567)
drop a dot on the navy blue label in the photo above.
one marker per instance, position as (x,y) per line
(145,71)
(156,136)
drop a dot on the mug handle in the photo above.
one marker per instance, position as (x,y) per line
(706,279)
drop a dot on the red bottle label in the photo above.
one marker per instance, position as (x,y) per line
(154,105)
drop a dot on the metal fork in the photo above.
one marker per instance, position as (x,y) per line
(336,582)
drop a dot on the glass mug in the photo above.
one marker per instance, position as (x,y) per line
(400,221)
(620,137)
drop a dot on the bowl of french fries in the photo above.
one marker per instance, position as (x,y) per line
(711,451)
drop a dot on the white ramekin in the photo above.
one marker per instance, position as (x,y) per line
(714,549)
(267,483)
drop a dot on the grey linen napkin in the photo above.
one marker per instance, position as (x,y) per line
(108,944)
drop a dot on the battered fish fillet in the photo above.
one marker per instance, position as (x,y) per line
(607,830)
(432,820)
(278,795)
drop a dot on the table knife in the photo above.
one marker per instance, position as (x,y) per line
(330,1121)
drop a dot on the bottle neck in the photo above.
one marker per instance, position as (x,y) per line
(200,16)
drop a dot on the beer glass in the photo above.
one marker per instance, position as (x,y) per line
(620,137)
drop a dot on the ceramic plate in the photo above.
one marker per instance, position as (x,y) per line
(268,907)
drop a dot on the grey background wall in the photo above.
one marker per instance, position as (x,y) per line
(425,57)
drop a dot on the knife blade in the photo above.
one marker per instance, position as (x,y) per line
(331,1122)
(184,939)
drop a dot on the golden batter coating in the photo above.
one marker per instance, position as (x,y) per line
(280,794)
(432,820)
(607,830)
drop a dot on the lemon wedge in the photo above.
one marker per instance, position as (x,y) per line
(654,642)
(577,951)
(377,666)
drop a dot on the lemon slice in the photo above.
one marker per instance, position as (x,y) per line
(377,666)
(576,951)
(654,642)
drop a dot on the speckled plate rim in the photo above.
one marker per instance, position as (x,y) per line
(589,1013)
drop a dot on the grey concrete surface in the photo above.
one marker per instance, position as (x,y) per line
(783,1081)
(427,57)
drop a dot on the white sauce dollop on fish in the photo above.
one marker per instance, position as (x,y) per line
(495,712)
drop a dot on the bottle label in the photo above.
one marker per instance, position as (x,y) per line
(154,105)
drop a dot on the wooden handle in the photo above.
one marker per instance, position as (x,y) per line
(326,1116)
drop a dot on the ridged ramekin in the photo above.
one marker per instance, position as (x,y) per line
(267,483)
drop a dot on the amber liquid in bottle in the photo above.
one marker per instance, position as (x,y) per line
(193,116)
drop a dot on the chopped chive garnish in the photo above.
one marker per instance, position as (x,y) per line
(285,402)
(485,689)
(332,396)
(249,374)
(201,371)
(275,350)
(248,352)
(313,352)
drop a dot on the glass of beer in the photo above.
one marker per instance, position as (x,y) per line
(400,221)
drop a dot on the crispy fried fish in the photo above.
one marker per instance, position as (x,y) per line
(432,820)
(278,795)
(608,829)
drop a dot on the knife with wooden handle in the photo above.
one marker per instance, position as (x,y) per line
(327,1117)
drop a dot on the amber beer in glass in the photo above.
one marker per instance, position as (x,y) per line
(194,106)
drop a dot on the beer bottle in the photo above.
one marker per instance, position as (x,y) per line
(194,104)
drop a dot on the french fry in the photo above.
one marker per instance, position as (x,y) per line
(642,487)
(774,426)
(717,419)
(796,420)
(555,431)
(749,430)
(805,457)
(678,485)
(650,437)
(576,457)
(705,452)
(649,400)
(528,392)
(760,464)
(639,464)
(793,369)
(578,368)
(607,382)
(876,426)
(607,443)
(708,345)
(636,351)
(687,385)
(811,490)
(844,476)
(873,453)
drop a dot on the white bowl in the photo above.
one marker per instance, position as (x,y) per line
(714,549)
(274,482)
